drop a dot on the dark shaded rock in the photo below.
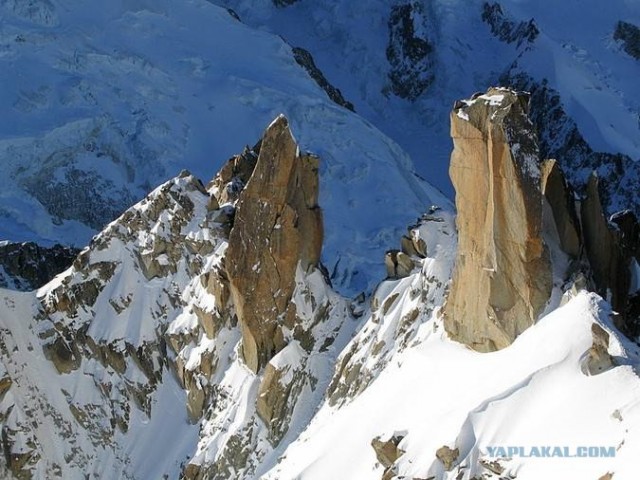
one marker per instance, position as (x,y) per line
(560,138)
(560,198)
(632,314)
(233,176)
(605,249)
(505,29)
(628,35)
(609,263)
(284,3)
(411,56)
(628,232)
(75,198)
(305,60)
(233,14)
(28,266)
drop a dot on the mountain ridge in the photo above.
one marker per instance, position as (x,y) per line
(137,357)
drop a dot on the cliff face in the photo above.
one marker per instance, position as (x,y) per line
(560,198)
(197,336)
(610,248)
(511,209)
(503,277)
(277,226)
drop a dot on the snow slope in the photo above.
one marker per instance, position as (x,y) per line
(105,101)
(532,393)
(108,99)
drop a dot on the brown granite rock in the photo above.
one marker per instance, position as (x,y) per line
(277,225)
(233,177)
(503,275)
(609,264)
(387,452)
(559,196)
(447,456)
(398,264)
(598,359)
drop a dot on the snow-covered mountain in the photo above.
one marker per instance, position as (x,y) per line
(197,336)
(106,101)
(244,328)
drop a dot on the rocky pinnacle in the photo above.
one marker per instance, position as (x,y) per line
(503,275)
(277,226)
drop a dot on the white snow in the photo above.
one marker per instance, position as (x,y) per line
(532,393)
(162,86)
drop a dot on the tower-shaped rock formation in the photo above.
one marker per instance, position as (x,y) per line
(503,274)
(277,226)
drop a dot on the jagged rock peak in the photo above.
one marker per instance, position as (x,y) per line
(503,274)
(410,51)
(629,36)
(277,226)
(506,29)
(305,60)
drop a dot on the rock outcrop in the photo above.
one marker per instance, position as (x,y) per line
(398,264)
(560,198)
(560,138)
(610,249)
(170,303)
(27,266)
(503,275)
(411,54)
(598,359)
(628,35)
(277,225)
(305,60)
(387,453)
(448,456)
(284,3)
(506,29)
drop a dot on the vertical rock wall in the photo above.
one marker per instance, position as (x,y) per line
(503,275)
(277,225)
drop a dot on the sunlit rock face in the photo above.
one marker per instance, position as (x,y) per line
(277,226)
(503,274)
